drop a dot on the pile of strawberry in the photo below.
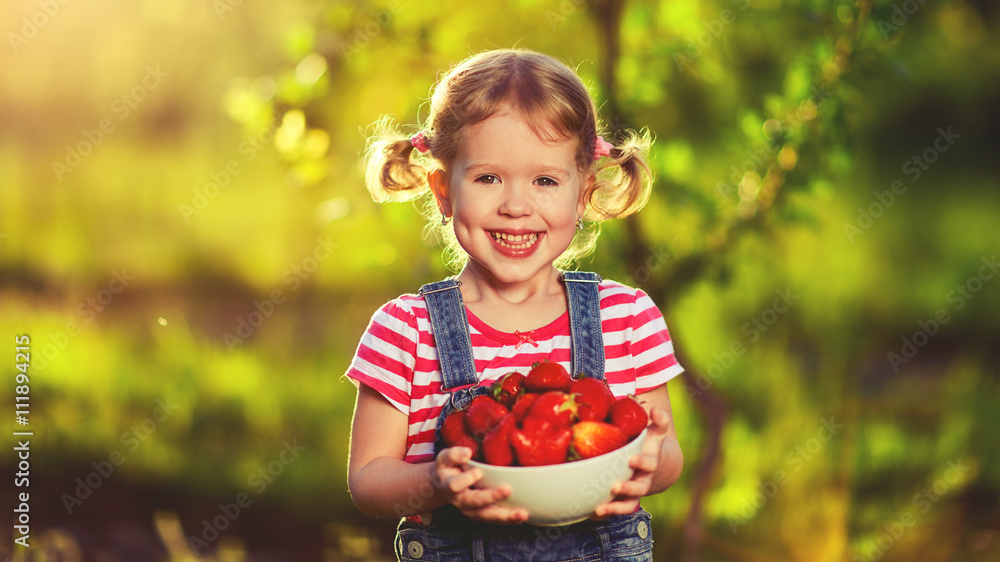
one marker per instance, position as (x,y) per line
(544,418)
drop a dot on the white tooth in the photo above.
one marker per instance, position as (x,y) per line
(514,241)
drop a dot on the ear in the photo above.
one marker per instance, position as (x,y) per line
(438,182)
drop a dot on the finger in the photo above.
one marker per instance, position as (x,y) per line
(472,499)
(444,458)
(643,463)
(632,488)
(619,507)
(654,442)
(445,466)
(640,479)
(498,514)
(458,456)
(660,421)
(462,481)
(595,517)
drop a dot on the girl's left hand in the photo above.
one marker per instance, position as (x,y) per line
(644,465)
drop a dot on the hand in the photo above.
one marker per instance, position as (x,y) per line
(628,493)
(451,474)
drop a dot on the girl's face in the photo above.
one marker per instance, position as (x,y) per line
(514,198)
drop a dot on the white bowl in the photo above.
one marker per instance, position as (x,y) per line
(561,494)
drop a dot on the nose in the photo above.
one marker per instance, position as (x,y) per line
(516,200)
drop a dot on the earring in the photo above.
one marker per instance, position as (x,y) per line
(579,223)
(444,219)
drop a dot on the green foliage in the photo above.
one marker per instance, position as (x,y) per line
(780,126)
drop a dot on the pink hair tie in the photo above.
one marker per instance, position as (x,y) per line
(419,141)
(602,148)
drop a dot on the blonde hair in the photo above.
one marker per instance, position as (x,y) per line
(557,104)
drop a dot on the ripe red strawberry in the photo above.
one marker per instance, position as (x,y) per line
(523,405)
(629,416)
(593,398)
(507,388)
(532,424)
(453,428)
(483,415)
(555,407)
(539,447)
(593,438)
(546,376)
(497,448)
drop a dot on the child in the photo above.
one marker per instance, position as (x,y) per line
(513,159)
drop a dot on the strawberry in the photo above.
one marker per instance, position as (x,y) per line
(629,416)
(496,445)
(507,388)
(523,405)
(533,424)
(546,376)
(483,415)
(541,447)
(453,428)
(593,438)
(593,398)
(555,407)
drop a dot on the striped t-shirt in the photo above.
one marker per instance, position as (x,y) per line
(397,356)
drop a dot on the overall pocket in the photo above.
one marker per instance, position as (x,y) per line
(630,538)
(415,543)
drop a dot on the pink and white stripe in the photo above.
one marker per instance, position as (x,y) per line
(398,358)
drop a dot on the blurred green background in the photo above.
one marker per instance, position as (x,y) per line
(186,238)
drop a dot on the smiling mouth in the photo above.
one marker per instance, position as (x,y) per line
(514,242)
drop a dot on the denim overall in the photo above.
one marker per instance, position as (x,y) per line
(451,535)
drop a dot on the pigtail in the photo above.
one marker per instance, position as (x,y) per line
(393,171)
(624,180)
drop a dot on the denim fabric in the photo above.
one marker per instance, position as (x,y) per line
(625,538)
(451,328)
(454,345)
(451,332)
(587,357)
(452,536)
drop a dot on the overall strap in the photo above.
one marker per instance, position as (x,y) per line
(587,353)
(451,332)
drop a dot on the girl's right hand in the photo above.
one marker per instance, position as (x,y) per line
(451,475)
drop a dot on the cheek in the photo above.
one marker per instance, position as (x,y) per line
(567,217)
(564,208)
(470,211)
